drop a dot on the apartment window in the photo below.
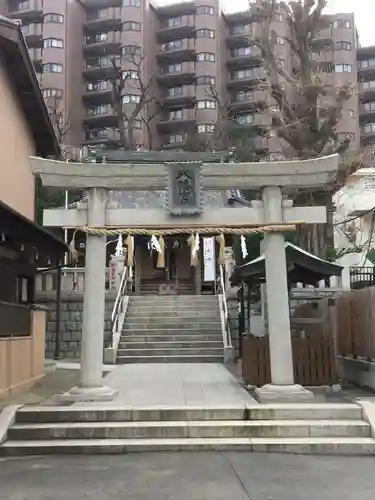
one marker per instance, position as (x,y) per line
(369,128)
(175,139)
(343,46)
(131,99)
(99,109)
(131,26)
(242,74)
(245,119)
(130,74)
(53,18)
(52,68)
(171,68)
(244,96)
(131,3)
(51,92)
(368,85)
(279,16)
(240,29)
(22,5)
(367,63)
(342,23)
(131,50)
(26,29)
(241,51)
(206,104)
(103,62)
(98,86)
(281,63)
(174,21)
(343,68)
(205,9)
(99,133)
(205,33)
(97,14)
(206,56)
(175,91)
(280,40)
(176,114)
(368,106)
(56,43)
(205,80)
(97,38)
(369,182)
(175,45)
(351,113)
(205,128)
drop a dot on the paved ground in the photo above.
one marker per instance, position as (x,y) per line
(176,384)
(188,476)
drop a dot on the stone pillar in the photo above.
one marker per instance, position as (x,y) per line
(91,387)
(282,379)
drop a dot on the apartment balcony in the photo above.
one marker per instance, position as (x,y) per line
(107,19)
(367,111)
(98,92)
(101,68)
(37,59)
(248,56)
(185,29)
(176,9)
(171,98)
(250,100)
(255,122)
(167,146)
(103,43)
(29,11)
(101,4)
(368,133)
(366,68)
(177,50)
(244,79)
(100,116)
(173,122)
(33,34)
(367,89)
(323,38)
(108,136)
(177,74)
(239,36)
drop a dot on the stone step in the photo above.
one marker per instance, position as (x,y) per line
(175,298)
(170,324)
(347,446)
(172,331)
(99,413)
(170,345)
(189,315)
(179,337)
(171,351)
(184,429)
(192,358)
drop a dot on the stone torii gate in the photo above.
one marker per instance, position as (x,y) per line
(273,179)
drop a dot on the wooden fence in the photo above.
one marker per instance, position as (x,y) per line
(313,359)
(355,324)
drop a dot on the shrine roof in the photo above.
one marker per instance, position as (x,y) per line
(302,267)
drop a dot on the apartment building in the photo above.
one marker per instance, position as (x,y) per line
(177,52)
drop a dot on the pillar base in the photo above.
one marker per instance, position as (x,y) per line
(87,394)
(229,355)
(283,393)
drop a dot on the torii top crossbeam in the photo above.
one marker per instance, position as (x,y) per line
(215,176)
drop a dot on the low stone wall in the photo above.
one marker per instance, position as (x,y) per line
(357,371)
(71,323)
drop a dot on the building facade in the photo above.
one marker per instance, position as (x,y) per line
(177,53)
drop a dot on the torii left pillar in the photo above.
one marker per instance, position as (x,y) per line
(91,386)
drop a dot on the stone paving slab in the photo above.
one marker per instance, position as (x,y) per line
(175,385)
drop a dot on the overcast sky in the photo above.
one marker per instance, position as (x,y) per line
(364,11)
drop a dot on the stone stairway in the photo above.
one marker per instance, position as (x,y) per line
(171,328)
(289,428)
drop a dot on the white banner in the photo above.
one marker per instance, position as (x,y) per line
(209,260)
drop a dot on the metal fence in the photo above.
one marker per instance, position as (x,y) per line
(362,277)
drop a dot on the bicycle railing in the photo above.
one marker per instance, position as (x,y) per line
(225,322)
(119,309)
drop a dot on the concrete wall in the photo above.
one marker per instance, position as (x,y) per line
(16,147)
(71,323)
(22,358)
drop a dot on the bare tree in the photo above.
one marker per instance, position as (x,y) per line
(128,80)
(307,108)
(60,118)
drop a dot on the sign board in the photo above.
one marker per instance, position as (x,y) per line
(209,261)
